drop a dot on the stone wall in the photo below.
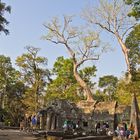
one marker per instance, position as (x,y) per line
(87,113)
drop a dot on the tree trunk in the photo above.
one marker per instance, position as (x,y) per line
(36,96)
(125,52)
(83,84)
(135,117)
(2,101)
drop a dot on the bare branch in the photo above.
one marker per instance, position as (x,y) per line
(104,27)
(70,51)
(66,23)
(71,37)
(53,41)
(53,30)
(83,53)
(87,59)
(127,31)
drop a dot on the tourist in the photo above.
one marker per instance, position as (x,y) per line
(107,125)
(104,125)
(65,125)
(121,133)
(34,122)
(22,125)
(1,120)
(125,126)
(117,131)
(110,133)
(127,133)
(97,127)
(28,123)
(131,135)
(73,126)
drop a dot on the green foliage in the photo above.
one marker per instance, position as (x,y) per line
(136,8)
(64,68)
(133,43)
(100,96)
(125,91)
(64,86)
(123,95)
(3,20)
(11,89)
(81,44)
(5,70)
(118,90)
(34,74)
(108,80)
(33,67)
(87,73)
(109,84)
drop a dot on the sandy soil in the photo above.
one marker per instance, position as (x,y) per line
(8,134)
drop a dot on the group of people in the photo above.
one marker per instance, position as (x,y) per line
(70,125)
(123,131)
(28,123)
(101,127)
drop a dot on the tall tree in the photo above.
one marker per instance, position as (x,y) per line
(65,86)
(111,16)
(3,20)
(35,75)
(133,39)
(5,75)
(15,93)
(81,46)
(11,90)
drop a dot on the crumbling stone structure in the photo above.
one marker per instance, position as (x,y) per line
(87,113)
(57,112)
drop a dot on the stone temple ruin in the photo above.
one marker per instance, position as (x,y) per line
(86,113)
(53,117)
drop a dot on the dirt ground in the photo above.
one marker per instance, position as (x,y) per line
(8,134)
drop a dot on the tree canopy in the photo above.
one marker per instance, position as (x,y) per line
(109,85)
(34,74)
(135,12)
(111,16)
(80,44)
(3,21)
(133,43)
(65,86)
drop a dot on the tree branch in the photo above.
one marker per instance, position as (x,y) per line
(127,31)
(53,30)
(66,23)
(104,27)
(87,59)
(53,41)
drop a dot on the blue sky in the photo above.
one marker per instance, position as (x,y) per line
(26,28)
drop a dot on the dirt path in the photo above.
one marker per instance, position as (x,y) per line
(9,134)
